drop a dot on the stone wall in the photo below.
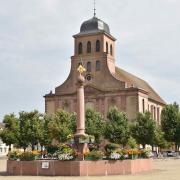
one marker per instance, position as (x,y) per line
(78,168)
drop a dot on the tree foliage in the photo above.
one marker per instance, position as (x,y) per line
(45,138)
(170,122)
(10,134)
(94,124)
(159,139)
(144,129)
(117,129)
(61,125)
(30,128)
(132,143)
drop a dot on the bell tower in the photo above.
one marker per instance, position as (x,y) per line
(94,48)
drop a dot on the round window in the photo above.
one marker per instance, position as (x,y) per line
(88,77)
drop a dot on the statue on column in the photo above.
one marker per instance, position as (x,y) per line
(80,131)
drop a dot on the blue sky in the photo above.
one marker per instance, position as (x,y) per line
(36,45)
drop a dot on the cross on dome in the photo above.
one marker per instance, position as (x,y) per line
(94,8)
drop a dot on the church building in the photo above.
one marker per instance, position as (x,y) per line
(106,84)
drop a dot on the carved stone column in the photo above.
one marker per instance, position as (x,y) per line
(80,106)
(80,131)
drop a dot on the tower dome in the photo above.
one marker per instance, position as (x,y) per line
(94,25)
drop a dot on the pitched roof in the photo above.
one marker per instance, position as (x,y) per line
(132,80)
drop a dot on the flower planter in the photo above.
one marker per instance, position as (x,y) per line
(78,168)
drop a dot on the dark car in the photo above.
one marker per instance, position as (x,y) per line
(171,153)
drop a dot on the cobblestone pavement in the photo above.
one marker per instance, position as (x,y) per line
(164,169)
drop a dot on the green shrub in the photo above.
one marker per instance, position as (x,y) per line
(132,143)
(27,156)
(111,148)
(65,148)
(14,155)
(146,153)
(94,155)
(65,152)
(51,149)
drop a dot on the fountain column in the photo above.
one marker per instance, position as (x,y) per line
(80,131)
(80,106)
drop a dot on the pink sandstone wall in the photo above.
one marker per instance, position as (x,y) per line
(79,168)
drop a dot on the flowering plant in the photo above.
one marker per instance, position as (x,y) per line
(146,153)
(65,157)
(111,148)
(65,152)
(14,155)
(24,156)
(27,156)
(37,154)
(133,152)
(115,156)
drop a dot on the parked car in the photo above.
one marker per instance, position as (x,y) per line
(172,153)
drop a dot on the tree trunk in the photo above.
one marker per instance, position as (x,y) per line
(176,147)
(143,146)
(10,148)
(152,146)
(41,147)
(32,147)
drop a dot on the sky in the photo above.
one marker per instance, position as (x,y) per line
(36,44)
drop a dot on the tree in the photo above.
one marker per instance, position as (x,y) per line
(170,123)
(132,143)
(117,130)
(31,128)
(94,124)
(144,129)
(61,125)
(159,139)
(45,138)
(10,133)
(178,131)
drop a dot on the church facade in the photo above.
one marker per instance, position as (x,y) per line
(106,85)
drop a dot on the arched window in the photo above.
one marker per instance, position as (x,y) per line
(98,46)
(89,47)
(80,48)
(154,112)
(88,66)
(158,115)
(107,48)
(143,106)
(111,50)
(98,65)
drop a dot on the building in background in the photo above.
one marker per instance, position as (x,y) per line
(3,148)
(106,85)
